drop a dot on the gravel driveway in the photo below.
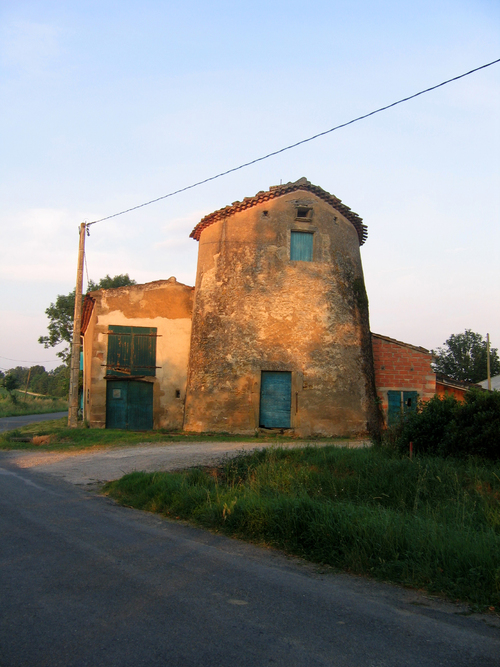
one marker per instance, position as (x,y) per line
(91,467)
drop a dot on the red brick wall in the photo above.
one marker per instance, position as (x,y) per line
(403,367)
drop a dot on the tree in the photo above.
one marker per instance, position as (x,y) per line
(11,384)
(20,373)
(464,357)
(62,311)
(59,381)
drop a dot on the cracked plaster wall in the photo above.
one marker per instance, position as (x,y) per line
(164,304)
(256,310)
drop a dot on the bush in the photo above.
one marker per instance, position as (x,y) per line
(476,428)
(447,427)
(10,383)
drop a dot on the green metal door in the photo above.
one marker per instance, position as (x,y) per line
(129,405)
(275,399)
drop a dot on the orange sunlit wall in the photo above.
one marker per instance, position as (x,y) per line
(442,390)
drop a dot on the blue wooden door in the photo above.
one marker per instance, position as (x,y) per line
(400,402)
(275,399)
(116,405)
(140,406)
(409,401)
(129,405)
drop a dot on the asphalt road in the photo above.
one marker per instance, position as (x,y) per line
(9,423)
(84,582)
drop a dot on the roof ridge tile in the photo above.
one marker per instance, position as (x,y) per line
(278,191)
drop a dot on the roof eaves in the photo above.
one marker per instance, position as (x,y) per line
(400,342)
(458,384)
(88,307)
(278,191)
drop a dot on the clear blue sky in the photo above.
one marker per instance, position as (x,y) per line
(109,104)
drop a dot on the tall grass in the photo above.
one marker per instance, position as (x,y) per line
(426,522)
(29,405)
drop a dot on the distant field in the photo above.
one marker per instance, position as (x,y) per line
(31,405)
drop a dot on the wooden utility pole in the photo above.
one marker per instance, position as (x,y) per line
(75,345)
(488,372)
(27,383)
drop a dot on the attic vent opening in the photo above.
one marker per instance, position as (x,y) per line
(304,213)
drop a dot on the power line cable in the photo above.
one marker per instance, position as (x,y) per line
(298,143)
(30,361)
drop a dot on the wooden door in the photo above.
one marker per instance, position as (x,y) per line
(275,399)
(400,402)
(129,405)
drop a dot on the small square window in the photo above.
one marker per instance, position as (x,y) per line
(304,213)
(301,246)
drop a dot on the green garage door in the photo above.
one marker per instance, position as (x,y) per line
(129,405)
(275,399)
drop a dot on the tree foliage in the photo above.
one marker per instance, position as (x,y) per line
(39,381)
(61,313)
(464,357)
(11,383)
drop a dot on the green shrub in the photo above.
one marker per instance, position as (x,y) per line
(447,427)
(476,428)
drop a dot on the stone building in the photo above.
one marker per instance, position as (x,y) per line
(280,334)
(275,334)
(135,355)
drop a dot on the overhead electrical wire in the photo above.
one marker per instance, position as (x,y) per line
(298,143)
(30,361)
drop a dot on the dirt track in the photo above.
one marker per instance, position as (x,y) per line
(92,467)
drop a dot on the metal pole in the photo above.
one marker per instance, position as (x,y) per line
(488,372)
(75,345)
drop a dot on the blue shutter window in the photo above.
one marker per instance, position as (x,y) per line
(399,404)
(301,246)
(131,351)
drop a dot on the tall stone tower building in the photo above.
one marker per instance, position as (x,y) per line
(280,330)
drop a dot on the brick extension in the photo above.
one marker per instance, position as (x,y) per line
(402,367)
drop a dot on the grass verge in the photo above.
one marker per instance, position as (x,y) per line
(60,437)
(426,523)
(31,405)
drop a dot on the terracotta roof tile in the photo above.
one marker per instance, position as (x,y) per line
(88,306)
(278,191)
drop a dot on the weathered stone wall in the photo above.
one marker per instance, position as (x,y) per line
(256,310)
(164,304)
